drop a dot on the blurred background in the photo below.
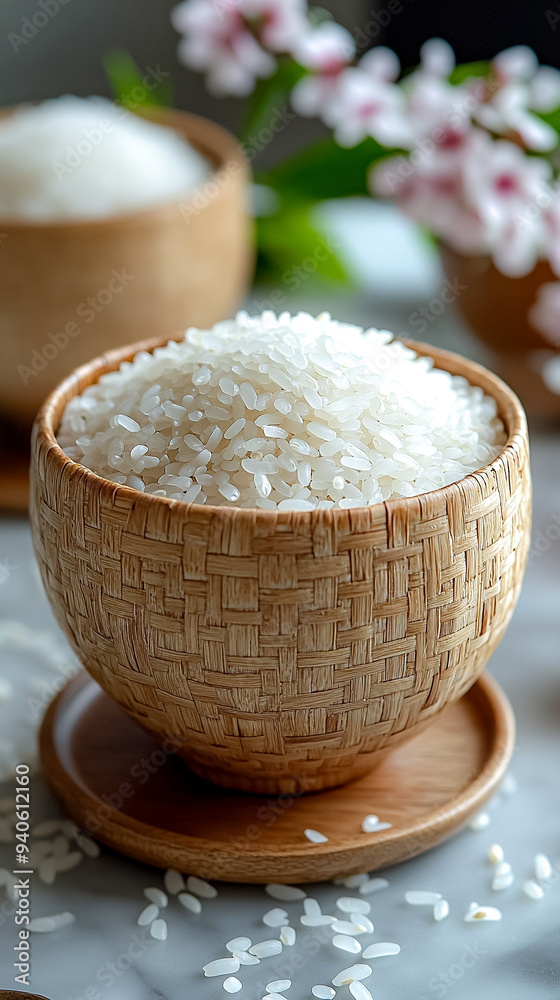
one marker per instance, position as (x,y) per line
(66,55)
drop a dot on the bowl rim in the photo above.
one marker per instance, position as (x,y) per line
(214,142)
(48,419)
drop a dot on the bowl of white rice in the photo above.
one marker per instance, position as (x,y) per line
(114,226)
(285,542)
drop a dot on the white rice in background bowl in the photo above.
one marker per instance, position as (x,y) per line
(282,412)
(74,157)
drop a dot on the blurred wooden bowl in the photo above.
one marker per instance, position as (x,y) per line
(146,274)
(282,651)
(496,309)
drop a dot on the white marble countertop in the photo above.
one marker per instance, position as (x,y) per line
(105,956)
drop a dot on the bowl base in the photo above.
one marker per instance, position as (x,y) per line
(118,783)
(296,784)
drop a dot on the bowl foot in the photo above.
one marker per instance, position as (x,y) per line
(287,784)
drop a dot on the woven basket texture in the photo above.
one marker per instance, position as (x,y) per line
(282,651)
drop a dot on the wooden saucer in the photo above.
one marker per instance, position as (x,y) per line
(116,782)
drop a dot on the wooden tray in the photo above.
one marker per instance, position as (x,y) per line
(115,781)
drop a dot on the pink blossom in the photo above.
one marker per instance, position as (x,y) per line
(478,195)
(503,185)
(521,86)
(507,112)
(544,314)
(437,58)
(432,193)
(432,103)
(381,63)
(364,105)
(516,63)
(326,51)
(217,41)
(278,23)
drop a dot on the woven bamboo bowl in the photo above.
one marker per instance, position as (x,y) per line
(282,651)
(150,272)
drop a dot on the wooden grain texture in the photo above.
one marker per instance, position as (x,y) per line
(20,995)
(282,646)
(184,263)
(115,781)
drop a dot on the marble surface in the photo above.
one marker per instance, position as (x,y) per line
(104,955)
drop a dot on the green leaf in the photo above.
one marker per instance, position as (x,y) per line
(269,97)
(318,15)
(125,77)
(467,70)
(552,118)
(291,250)
(325,170)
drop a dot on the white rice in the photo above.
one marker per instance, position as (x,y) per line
(312,907)
(158,929)
(285,893)
(288,936)
(349,904)
(382,948)
(543,867)
(190,902)
(288,413)
(220,967)
(346,943)
(480,821)
(173,882)
(504,868)
(238,944)
(373,885)
(76,157)
(200,887)
(244,958)
(316,920)
(232,984)
(532,889)
(422,897)
(156,896)
(149,913)
(315,836)
(354,973)
(501,882)
(477,913)
(275,917)
(360,992)
(495,854)
(440,911)
(44,925)
(351,927)
(265,949)
(352,881)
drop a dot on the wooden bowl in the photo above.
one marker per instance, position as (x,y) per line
(282,651)
(496,309)
(146,273)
